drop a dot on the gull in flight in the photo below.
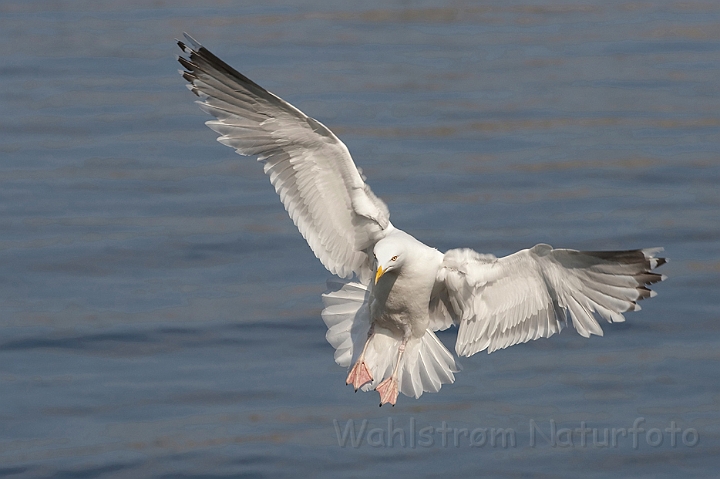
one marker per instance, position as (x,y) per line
(395,291)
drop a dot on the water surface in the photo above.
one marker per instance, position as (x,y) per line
(160,312)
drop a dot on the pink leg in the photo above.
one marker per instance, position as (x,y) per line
(388,389)
(360,374)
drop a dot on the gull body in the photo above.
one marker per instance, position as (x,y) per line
(401,296)
(393,291)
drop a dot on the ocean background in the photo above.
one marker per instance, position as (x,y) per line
(160,314)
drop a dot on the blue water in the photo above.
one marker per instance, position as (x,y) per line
(159,313)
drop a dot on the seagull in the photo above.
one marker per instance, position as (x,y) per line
(393,292)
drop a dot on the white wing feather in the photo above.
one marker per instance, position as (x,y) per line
(310,168)
(525,296)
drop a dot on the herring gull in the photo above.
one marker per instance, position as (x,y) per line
(395,291)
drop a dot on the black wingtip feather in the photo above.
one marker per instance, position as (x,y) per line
(201,61)
(200,55)
(187,64)
(625,257)
(648,278)
(644,292)
(643,260)
(630,257)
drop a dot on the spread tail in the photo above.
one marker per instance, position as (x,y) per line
(425,366)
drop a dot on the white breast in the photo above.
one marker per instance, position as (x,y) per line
(401,298)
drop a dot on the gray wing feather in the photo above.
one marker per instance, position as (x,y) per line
(310,168)
(499,302)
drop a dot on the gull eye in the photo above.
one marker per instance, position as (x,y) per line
(394,258)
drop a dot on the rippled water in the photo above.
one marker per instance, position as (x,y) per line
(160,313)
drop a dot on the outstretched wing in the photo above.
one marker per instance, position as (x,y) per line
(310,168)
(504,301)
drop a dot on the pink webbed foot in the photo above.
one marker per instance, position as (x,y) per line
(388,390)
(359,375)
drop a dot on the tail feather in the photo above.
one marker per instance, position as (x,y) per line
(347,316)
(425,366)
(380,356)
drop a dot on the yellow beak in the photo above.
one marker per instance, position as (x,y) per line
(378,274)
